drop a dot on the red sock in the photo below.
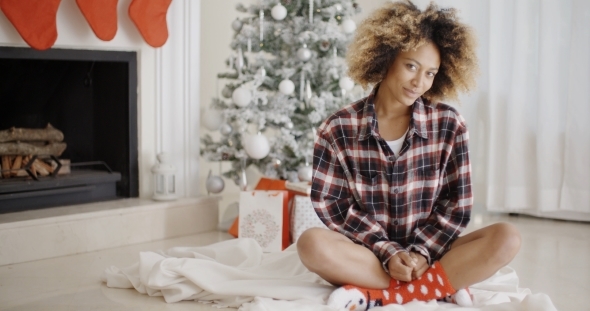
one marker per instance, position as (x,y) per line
(101,15)
(149,17)
(434,284)
(35,20)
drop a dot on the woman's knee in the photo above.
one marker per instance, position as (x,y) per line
(506,241)
(313,249)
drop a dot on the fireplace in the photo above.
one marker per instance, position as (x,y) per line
(89,95)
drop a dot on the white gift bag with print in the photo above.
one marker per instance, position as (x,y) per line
(262,217)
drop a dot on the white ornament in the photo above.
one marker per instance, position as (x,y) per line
(242,96)
(346,83)
(214,184)
(261,72)
(279,12)
(305,173)
(226,92)
(287,87)
(225,129)
(348,26)
(289,125)
(236,25)
(304,54)
(338,7)
(212,119)
(256,146)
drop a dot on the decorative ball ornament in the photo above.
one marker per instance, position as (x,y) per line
(348,26)
(346,83)
(278,12)
(276,163)
(338,7)
(214,183)
(256,146)
(289,125)
(305,173)
(325,45)
(226,92)
(212,119)
(225,129)
(237,25)
(304,54)
(287,87)
(242,97)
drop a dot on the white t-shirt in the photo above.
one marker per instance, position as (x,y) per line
(396,145)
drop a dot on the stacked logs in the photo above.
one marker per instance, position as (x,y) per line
(19,146)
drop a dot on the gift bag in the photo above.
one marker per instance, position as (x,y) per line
(264,216)
(303,217)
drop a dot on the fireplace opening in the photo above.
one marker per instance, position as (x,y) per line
(90,96)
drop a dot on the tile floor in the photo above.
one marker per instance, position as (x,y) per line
(554,259)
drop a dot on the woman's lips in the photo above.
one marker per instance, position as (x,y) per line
(410,93)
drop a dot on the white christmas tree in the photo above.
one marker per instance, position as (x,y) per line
(287,73)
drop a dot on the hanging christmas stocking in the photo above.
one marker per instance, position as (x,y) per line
(149,17)
(35,20)
(102,17)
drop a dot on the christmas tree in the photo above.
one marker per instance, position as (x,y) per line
(286,74)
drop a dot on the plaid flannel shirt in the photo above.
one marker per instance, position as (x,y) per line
(419,201)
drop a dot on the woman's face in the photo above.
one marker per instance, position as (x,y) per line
(411,74)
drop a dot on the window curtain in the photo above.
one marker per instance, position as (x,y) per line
(529,118)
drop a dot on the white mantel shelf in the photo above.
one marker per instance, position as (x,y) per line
(53,232)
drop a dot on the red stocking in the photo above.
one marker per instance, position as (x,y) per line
(35,20)
(102,17)
(149,17)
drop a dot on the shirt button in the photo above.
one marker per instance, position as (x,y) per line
(395,191)
(391,158)
(396,222)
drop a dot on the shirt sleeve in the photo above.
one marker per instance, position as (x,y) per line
(337,207)
(452,209)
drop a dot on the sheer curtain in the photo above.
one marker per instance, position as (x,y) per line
(529,119)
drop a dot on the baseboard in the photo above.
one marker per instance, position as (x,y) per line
(62,231)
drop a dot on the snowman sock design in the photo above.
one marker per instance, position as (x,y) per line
(433,284)
(462,297)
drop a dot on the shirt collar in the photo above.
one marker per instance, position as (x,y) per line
(369,121)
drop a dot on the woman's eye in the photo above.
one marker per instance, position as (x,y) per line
(411,67)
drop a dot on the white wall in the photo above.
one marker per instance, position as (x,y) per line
(216,35)
(167,88)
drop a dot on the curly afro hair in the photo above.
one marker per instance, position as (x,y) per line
(401,26)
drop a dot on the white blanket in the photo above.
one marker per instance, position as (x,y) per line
(236,273)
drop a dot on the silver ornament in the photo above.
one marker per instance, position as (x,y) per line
(214,183)
(225,129)
(227,92)
(236,25)
(305,173)
(304,54)
(289,125)
(276,163)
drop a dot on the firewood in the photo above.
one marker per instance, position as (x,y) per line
(49,134)
(26,161)
(65,166)
(18,148)
(45,166)
(6,165)
(40,168)
(18,161)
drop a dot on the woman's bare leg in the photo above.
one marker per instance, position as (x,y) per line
(479,254)
(339,261)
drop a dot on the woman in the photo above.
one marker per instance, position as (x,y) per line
(392,173)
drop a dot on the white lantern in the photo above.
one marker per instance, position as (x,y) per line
(165,179)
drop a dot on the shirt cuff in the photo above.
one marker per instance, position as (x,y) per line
(422,250)
(385,250)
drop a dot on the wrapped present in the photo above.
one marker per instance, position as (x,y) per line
(264,216)
(303,217)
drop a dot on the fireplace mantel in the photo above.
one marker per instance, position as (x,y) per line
(168,92)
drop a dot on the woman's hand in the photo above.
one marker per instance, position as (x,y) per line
(401,266)
(421,265)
